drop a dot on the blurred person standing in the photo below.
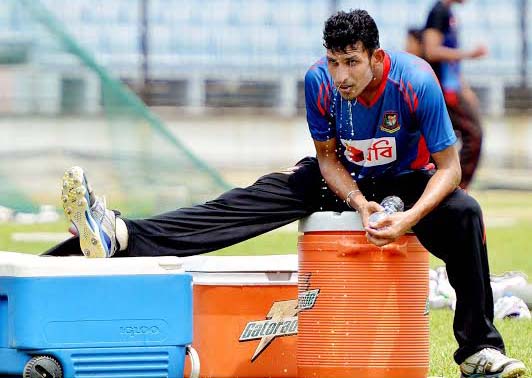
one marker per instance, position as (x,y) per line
(441,50)
(414,42)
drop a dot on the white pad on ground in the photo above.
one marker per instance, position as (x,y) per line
(36,237)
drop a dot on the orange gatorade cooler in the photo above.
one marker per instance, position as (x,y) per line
(245,315)
(362,309)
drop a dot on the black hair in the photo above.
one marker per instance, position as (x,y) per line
(345,29)
(416,33)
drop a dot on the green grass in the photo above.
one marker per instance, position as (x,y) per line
(509,221)
(8,229)
(516,335)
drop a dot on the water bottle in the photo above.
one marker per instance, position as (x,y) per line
(391,205)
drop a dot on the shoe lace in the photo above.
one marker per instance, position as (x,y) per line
(107,219)
(98,208)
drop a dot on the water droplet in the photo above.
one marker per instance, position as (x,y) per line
(341,111)
(350,109)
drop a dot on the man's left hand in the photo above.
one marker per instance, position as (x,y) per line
(388,229)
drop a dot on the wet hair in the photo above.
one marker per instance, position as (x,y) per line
(416,33)
(345,29)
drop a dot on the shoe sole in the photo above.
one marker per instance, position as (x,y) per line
(76,202)
(515,373)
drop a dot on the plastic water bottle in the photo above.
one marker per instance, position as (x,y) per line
(391,205)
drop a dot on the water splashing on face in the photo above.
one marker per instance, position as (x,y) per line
(333,106)
(350,115)
(350,111)
(335,95)
(341,111)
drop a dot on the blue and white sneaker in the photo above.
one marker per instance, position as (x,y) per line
(95,224)
(490,363)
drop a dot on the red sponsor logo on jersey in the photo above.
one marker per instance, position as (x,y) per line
(370,152)
(355,155)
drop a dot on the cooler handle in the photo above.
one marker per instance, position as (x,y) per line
(347,247)
(194,362)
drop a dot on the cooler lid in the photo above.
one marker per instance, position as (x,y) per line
(331,221)
(14,264)
(241,264)
(243,270)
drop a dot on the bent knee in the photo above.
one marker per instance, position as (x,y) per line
(463,205)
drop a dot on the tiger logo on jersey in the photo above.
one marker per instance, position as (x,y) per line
(390,122)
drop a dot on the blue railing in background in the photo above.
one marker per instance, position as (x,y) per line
(256,39)
(261,34)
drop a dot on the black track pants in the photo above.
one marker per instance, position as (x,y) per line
(454,232)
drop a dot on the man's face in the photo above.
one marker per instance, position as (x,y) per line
(351,70)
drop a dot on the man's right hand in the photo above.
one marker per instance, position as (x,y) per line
(478,52)
(368,208)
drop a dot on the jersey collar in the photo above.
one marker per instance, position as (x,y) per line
(380,90)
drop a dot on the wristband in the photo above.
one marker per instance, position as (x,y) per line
(349,195)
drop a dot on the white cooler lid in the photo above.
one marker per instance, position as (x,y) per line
(242,270)
(331,221)
(14,264)
(241,264)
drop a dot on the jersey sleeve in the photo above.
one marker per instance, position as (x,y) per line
(317,101)
(433,117)
(438,19)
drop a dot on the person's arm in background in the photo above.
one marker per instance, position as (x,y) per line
(435,51)
(438,24)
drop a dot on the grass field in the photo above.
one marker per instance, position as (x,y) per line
(508,218)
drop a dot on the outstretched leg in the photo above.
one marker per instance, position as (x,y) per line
(272,201)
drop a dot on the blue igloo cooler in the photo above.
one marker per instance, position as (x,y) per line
(77,317)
